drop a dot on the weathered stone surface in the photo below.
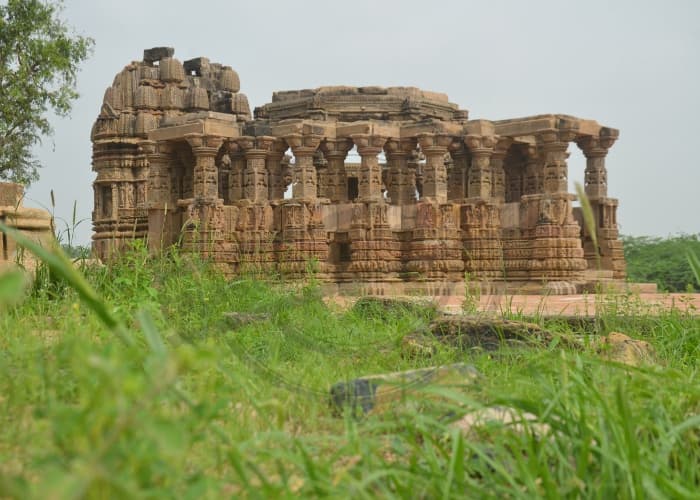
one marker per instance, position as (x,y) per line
(520,422)
(237,319)
(157,53)
(33,223)
(179,159)
(621,348)
(376,393)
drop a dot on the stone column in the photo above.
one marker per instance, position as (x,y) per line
(498,173)
(457,177)
(554,147)
(596,176)
(236,169)
(255,175)
(305,183)
(276,186)
(370,182)
(401,188)
(533,181)
(159,157)
(205,148)
(335,152)
(159,204)
(434,146)
(480,173)
(480,213)
(608,255)
(557,253)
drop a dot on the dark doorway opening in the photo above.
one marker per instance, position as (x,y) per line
(353,188)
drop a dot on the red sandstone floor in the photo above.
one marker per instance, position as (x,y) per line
(644,303)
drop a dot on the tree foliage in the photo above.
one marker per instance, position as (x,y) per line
(662,261)
(39,59)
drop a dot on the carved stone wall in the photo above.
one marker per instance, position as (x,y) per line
(180,160)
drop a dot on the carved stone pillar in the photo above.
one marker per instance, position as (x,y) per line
(498,173)
(533,181)
(557,252)
(554,147)
(160,207)
(370,183)
(335,152)
(480,214)
(608,255)
(276,184)
(304,146)
(159,158)
(205,149)
(255,175)
(401,186)
(480,173)
(457,177)
(434,146)
(596,176)
(235,180)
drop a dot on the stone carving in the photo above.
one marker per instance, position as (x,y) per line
(180,160)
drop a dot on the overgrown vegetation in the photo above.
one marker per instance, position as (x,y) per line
(662,261)
(133,384)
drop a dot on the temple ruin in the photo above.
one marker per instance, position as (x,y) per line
(433,197)
(33,223)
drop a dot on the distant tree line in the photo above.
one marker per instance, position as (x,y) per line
(663,261)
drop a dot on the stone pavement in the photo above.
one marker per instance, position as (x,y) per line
(570,305)
(584,305)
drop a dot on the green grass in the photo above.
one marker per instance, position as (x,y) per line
(131,384)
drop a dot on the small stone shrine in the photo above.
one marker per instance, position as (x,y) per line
(435,197)
(34,223)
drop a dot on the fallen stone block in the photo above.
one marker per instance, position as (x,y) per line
(505,416)
(239,319)
(375,393)
(619,347)
(482,332)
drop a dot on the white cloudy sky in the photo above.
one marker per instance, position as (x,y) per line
(632,65)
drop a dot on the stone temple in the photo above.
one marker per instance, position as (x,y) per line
(433,199)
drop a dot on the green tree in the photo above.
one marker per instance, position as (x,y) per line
(662,261)
(39,58)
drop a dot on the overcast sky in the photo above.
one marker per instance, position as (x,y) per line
(632,65)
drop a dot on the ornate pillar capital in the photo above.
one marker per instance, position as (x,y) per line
(430,142)
(368,144)
(594,146)
(481,145)
(202,144)
(336,148)
(399,147)
(303,144)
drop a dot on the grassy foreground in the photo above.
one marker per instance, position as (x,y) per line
(171,400)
